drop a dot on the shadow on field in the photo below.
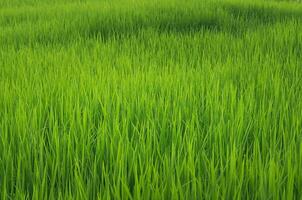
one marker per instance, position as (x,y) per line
(262,14)
(162,26)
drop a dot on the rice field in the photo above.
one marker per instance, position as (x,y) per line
(127,99)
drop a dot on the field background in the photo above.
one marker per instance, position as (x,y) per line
(168,99)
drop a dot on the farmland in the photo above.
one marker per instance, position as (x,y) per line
(197,99)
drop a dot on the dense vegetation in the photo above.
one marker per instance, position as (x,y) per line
(150,99)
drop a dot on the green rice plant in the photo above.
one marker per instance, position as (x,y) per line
(150,99)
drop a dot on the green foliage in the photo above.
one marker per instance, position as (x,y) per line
(150,99)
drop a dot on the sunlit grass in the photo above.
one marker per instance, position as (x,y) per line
(150,100)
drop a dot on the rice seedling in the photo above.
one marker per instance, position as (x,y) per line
(150,99)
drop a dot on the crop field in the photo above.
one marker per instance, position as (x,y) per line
(150,99)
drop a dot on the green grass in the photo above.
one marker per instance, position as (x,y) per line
(150,99)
